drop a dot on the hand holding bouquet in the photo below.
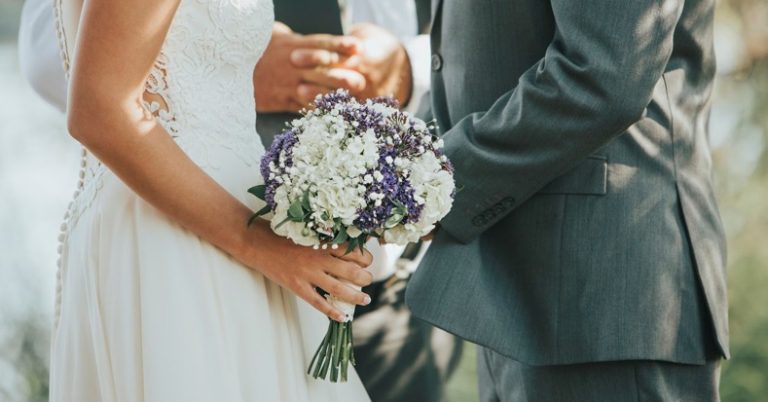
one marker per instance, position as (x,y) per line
(348,171)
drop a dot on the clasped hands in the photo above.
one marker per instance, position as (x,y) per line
(295,68)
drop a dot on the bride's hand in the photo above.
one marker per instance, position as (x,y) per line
(300,269)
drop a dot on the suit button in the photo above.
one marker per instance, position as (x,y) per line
(437,62)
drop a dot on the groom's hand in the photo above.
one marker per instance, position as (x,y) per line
(277,77)
(380,59)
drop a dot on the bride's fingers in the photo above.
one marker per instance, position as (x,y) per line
(342,291)
(351,273)
(322,305)
(361,258)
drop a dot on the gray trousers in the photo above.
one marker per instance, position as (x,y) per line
(501,379)
(399,357)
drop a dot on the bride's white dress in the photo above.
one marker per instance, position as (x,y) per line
(146,310)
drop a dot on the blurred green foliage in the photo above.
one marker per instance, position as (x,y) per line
(741,179)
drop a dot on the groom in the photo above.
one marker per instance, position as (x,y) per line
(584,251)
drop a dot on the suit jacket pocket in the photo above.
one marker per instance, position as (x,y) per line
(589,177)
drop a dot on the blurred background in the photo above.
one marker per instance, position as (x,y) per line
(38,172)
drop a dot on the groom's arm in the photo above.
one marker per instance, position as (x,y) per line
(593,83)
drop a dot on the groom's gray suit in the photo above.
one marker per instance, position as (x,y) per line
(585,228)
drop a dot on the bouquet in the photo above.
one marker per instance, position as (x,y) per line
(346,172)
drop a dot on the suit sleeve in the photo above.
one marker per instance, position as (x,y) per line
(595,81)
(39,57)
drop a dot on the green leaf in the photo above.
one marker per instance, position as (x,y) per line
(394,220)
(361,240)
(262,211)
(305,202)
(398,214)
(352,245)
(295,211)
(259,191)
(288,219)
(341,237)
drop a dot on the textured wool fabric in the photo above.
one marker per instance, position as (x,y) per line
(585,224)
(501,379)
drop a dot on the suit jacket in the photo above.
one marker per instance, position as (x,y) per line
(585,228)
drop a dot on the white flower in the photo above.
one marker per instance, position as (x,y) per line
(433,188)
(339,202)
(354,231)
(296,231)
(400,235)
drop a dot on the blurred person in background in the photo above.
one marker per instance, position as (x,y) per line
(385,52)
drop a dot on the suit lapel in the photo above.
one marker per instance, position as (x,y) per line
(435,6)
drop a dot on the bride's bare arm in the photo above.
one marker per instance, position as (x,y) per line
(118,42)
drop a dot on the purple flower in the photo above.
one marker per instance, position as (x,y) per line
(328,101)
(282,144)
(387,100)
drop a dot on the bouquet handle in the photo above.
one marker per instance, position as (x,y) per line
(336,351)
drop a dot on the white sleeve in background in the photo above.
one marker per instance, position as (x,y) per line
(419,52)
(39,56)
(396,16)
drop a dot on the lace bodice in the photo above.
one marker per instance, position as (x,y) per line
(204,75)
(200,88)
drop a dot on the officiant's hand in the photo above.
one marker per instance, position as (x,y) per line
(380,59)
(277,78)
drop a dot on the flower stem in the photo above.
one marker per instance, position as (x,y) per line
(334,354)
(322,348)
(329,356)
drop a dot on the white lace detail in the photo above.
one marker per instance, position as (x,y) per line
(203,75)
(209,75)
(157,85)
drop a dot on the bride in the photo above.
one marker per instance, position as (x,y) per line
(164,293)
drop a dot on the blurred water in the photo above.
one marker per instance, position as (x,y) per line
(38,168)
